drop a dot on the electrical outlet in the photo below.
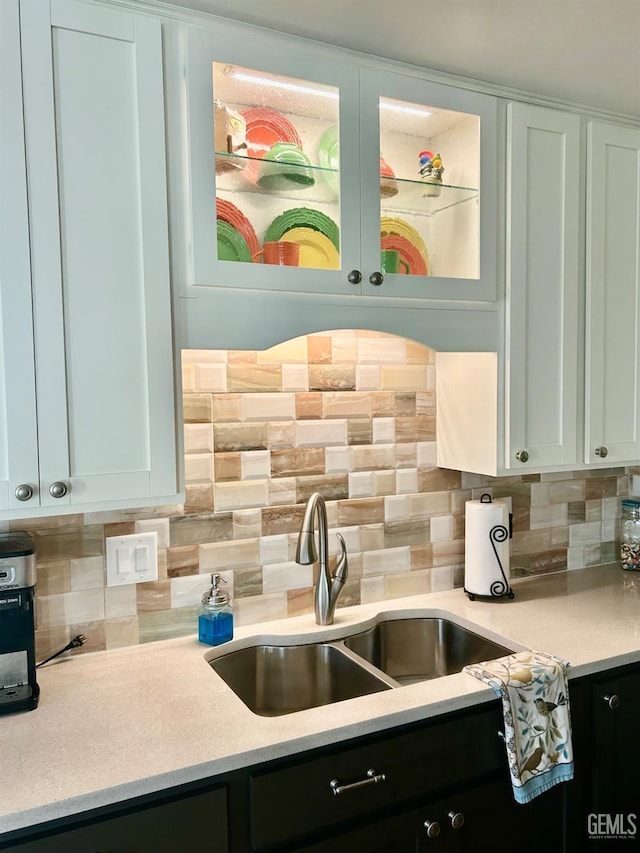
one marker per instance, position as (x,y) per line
(132,559)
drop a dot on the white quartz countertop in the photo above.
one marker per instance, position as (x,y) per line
(118,724)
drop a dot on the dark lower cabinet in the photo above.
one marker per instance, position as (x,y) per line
(603,811)
(441,785)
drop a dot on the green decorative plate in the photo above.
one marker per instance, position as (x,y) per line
(303,217)
(329,157)
(231,244)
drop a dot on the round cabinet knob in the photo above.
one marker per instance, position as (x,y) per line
(601,452)
(24,492)
(457,819)
(432,827)
(522,456)
(57,489)
(612,701)
(376,278)
(354,277)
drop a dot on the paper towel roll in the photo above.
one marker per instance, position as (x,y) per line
(482,573)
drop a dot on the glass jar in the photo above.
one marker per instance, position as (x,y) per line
(630,536)
(215,617)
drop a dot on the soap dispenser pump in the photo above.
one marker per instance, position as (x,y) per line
(215,617)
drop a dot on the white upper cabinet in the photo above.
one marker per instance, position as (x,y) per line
(542,320)
(385,183)
(86,264)
(612,404)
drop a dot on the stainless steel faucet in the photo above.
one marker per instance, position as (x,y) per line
(328,587)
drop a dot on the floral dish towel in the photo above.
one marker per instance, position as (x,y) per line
(537,723)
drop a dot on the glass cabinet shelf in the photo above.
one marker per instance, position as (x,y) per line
(414,197)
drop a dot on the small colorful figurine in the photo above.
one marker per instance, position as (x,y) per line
(430,171)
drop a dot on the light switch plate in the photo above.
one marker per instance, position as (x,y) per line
(132,559)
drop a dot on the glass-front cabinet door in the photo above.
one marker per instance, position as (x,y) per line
(431,216)
(274,166)
(310,174)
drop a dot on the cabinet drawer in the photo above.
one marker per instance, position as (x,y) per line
(298,798)
(190,824)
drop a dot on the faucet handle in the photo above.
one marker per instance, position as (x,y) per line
(342,564)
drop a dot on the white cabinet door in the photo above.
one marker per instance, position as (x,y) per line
(18,432)
(96,184)
(542,340)
(612,417)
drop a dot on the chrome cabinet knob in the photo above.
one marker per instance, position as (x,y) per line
(601,452)
(57,489)
(354,277)
(612,701)
(24,492)
(457,819)
(376,278)
(432,827)
(522,456)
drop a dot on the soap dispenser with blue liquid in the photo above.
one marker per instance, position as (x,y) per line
(215,617)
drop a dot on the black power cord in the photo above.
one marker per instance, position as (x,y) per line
(77,641)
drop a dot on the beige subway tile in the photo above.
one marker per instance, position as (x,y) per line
(198,438)
(373,457)
(196,529)
(83,606)
(223,556)
(371,538)
(442,578)
(577,512)
(407,456)
(359,431)
(68,542)
(413,429)
(426,453)
(292,462)
(399,533)
(448,553)
(229,437)
(421,556)
(559,537)
(593,510)
(153,595)
(260,608)
(337,460)
(553,560)
(407,583)
(441,528)
(167,624)
(87,573)
(295,377)
(293,351)
(438,479)
(277,577)
(551,515)
(372,590)
(242,495)
(198,467)
(242,356)
(281,519)
(331,377)
(383,404)
(281,434)
(362,484)
(368,377)
(604,487)
(333,487)
(585,534)
(530,541)
(309,406)
(49,640)
(282,491)
(188,378)
(197,408)
(406,377)
(406,481)
(246,523)
(540,493)
(384,430)
(121,632)
(567,491)
(426,402)
(344,349)
(320,433)
(274,549)
(120,601)
(429,504)
(198,497)
(360,512)
(395,508)
(268,407)
(247,582)
(319,349)
(346,404)
(300,601)
(182,560)
(209,378)
(254,377)
(226,408)
(384,350)
(384,483)
(405,404)
(255,464)
(204,356)
(53,577)
(386,560)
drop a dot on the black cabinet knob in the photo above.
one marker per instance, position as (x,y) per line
(376,278)
(354,277)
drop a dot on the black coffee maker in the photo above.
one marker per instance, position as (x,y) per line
(18,688)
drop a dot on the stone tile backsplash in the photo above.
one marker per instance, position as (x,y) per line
(349,414)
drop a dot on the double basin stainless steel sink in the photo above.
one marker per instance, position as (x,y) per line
(273,679)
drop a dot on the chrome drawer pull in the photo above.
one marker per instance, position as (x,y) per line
(372,779)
